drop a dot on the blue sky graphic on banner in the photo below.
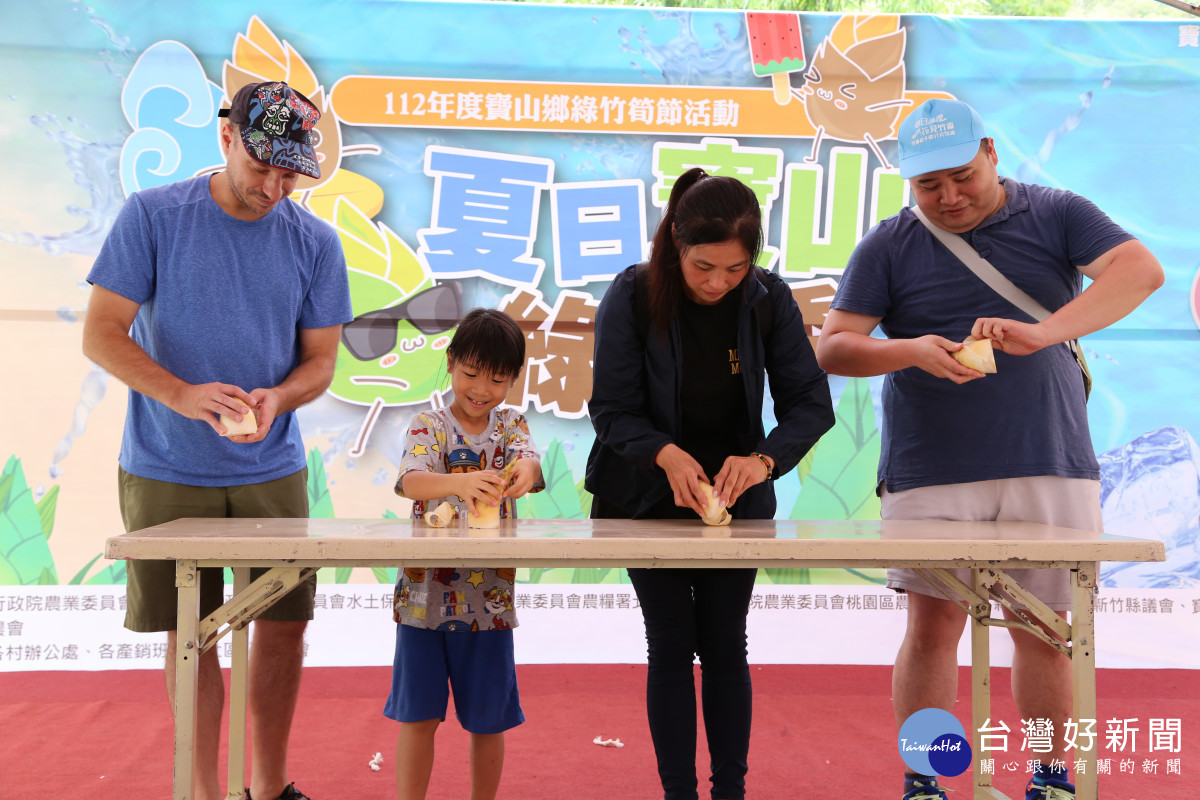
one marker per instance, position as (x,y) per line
(519,156)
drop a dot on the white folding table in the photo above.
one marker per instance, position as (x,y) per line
(293,549)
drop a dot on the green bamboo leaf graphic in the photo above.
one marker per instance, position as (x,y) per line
(46,508)
(792,576)
(585,499)
(363,245)
(78,579)
(376,249)
(25,558)
(841,483)
(385,574)
(6,481)
(804,468)
(320,504)
(532,574)
(593,575)
(113,574)
(560,498)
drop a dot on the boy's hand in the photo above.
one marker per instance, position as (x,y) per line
(479,487)
(524,476)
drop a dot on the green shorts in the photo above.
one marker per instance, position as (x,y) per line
(151,596)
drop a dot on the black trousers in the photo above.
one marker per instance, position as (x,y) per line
(689,613)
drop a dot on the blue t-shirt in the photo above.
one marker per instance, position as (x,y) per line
(1027,419)
(221,299)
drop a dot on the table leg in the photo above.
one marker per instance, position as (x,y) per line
(237,696)
(1083,666)
(187,672)
(981,688)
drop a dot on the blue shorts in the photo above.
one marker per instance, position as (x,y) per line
(479,667)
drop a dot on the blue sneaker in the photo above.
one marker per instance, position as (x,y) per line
(1041,788)
(924,788)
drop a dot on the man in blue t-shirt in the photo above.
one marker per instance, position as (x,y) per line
(1012,447)
(218,302)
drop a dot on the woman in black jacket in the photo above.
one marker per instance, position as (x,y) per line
(684,346)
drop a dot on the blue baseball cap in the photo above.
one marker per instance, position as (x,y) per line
(276,123)
(939,134)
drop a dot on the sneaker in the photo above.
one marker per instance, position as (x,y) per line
(290,792)
(1040,788)
(924,789)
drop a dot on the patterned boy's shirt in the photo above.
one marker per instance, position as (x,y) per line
(458,599)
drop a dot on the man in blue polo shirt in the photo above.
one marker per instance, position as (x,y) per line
(1019,448)
(214,297)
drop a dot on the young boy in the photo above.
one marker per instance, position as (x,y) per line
(454,628)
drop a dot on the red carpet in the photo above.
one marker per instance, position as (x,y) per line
(820,732)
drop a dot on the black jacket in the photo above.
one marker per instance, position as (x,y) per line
(635,404)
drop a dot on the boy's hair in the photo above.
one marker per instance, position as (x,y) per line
(489,340)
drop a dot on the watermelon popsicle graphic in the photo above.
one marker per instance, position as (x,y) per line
(776,48)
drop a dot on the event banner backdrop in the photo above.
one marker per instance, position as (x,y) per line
(519,156)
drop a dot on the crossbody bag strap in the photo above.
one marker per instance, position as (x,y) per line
(983,269)
(1002,286)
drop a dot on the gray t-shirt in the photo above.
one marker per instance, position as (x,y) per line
(460,599)
(1030,417)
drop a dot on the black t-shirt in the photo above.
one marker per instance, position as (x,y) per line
(714,396)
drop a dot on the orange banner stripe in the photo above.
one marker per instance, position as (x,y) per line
(552,107)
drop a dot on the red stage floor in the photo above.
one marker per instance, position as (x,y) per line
(820,732)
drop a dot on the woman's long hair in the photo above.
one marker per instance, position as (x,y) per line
(703,209)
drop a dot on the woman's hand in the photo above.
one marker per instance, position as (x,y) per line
(738,474)
(685,475)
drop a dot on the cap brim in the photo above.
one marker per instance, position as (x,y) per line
(950,157)
(283,153)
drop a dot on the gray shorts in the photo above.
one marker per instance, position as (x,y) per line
(1048,499)
(151,595)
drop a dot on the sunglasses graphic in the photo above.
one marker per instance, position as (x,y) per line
(373,335)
